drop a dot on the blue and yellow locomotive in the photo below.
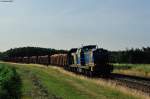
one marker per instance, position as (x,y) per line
(89,60)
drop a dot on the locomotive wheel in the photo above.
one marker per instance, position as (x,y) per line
(90,74)
(83,72)
(86,72)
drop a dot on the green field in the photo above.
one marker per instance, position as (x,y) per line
(38,82)
(133,69)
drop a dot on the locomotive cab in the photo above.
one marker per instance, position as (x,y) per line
(101,62)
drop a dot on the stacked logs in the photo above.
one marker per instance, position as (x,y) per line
(59,59)
(44,60)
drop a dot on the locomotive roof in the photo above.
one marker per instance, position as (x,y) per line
(73,50)
(89,47)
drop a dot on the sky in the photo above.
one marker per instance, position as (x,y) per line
(65,24)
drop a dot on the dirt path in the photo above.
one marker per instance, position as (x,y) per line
(38,91)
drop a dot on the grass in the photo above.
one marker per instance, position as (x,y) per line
(40,82)
(133,69)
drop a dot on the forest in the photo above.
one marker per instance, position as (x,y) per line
(133,56)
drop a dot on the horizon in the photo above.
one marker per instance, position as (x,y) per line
(65,24)
(75,47)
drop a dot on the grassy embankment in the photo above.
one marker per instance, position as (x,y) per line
(133,69)
(40,82)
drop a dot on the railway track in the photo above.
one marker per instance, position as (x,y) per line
(134,82)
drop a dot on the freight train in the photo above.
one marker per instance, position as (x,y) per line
(88,60)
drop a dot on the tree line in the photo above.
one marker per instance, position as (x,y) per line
(134,56)
(28,52)
(126,56)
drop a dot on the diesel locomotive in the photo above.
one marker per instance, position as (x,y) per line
(88,60)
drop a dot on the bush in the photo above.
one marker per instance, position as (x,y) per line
(9,83)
